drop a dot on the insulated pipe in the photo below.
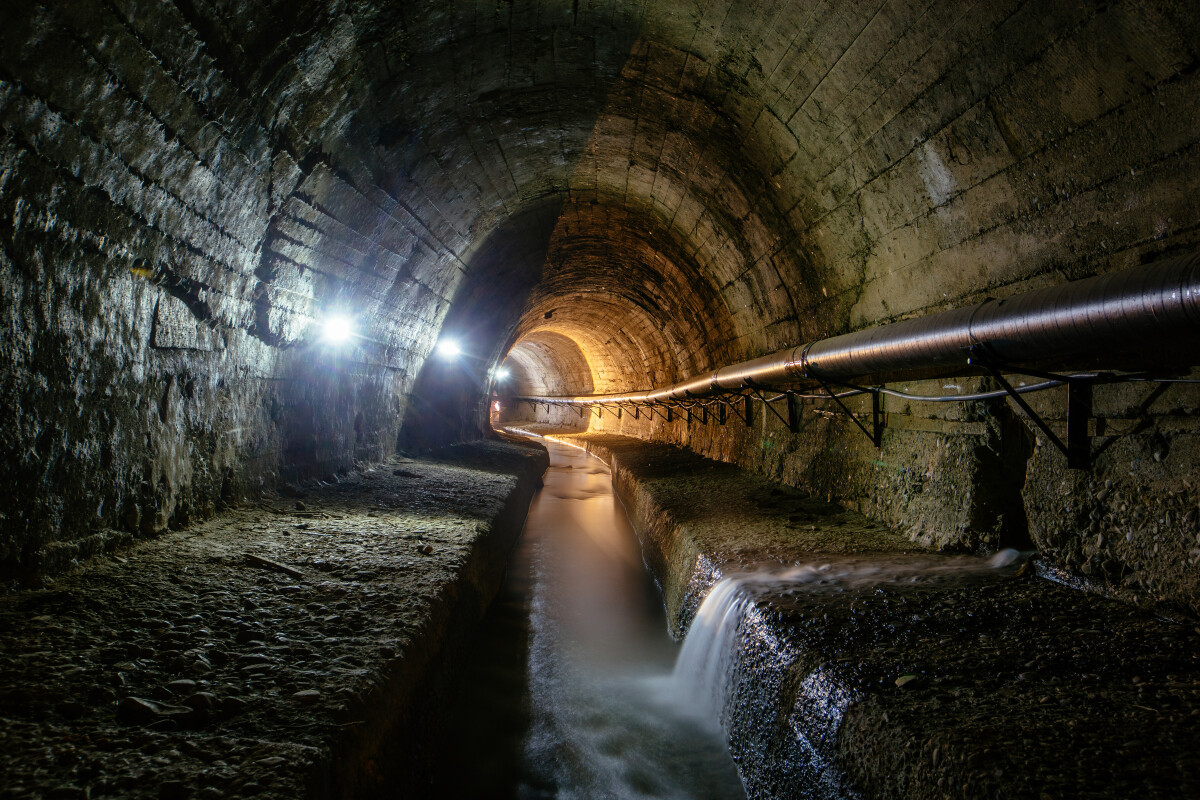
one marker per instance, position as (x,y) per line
(1147,309)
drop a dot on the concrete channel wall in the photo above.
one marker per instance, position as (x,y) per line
(905,673)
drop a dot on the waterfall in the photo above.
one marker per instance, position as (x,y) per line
(698,682)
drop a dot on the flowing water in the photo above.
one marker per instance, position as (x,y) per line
(571,693)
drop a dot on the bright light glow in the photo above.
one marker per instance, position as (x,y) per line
(338,330)
(501,373)
(449,349)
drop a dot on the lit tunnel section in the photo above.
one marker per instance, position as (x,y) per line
(620,304)
(549,363)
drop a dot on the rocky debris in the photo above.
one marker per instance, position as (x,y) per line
(185,669)
(267,563)
(926,684)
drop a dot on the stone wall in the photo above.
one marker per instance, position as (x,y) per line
(978,477)
(170,243)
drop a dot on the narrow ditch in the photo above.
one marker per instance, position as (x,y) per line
(569,692)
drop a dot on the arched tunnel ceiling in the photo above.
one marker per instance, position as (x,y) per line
(639,150)
(729,178)
(739,177)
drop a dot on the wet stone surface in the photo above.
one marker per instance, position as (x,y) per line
(993,685)
(245,655)
(913,674)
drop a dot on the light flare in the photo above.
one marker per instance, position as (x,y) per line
(337,329)
(449,349)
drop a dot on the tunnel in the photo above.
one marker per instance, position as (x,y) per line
(859,339)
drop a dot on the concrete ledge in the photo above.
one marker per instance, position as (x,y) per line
(903,674)
(699,519)
(293,648)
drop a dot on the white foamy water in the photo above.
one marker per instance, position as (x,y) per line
(697,685)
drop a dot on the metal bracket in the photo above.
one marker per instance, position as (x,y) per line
(722,412)
(749,413)
(1078,447)
(876,432)
(771,408)
(793,404)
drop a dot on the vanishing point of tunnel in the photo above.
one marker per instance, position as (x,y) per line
(878,321)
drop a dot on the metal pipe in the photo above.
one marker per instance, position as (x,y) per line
(1146,310)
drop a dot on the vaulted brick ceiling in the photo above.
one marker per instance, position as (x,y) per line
(725,179)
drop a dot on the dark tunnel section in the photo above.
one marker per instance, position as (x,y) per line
(450,401)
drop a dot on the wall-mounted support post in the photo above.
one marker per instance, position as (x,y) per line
(1079,411)
(704,415)
(876,420)
(722,413)
(1077,448)
(637,413)
(619,412)
(793,404)
(767,405)
(749,410)
(689,416)
(670,414)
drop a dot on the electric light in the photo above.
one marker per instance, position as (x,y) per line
(449,349)
(501,373)
(337,329)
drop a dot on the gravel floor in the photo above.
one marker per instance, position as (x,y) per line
(272,650)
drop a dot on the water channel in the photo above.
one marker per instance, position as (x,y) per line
(570,691)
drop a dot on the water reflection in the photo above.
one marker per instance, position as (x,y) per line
(597,719)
